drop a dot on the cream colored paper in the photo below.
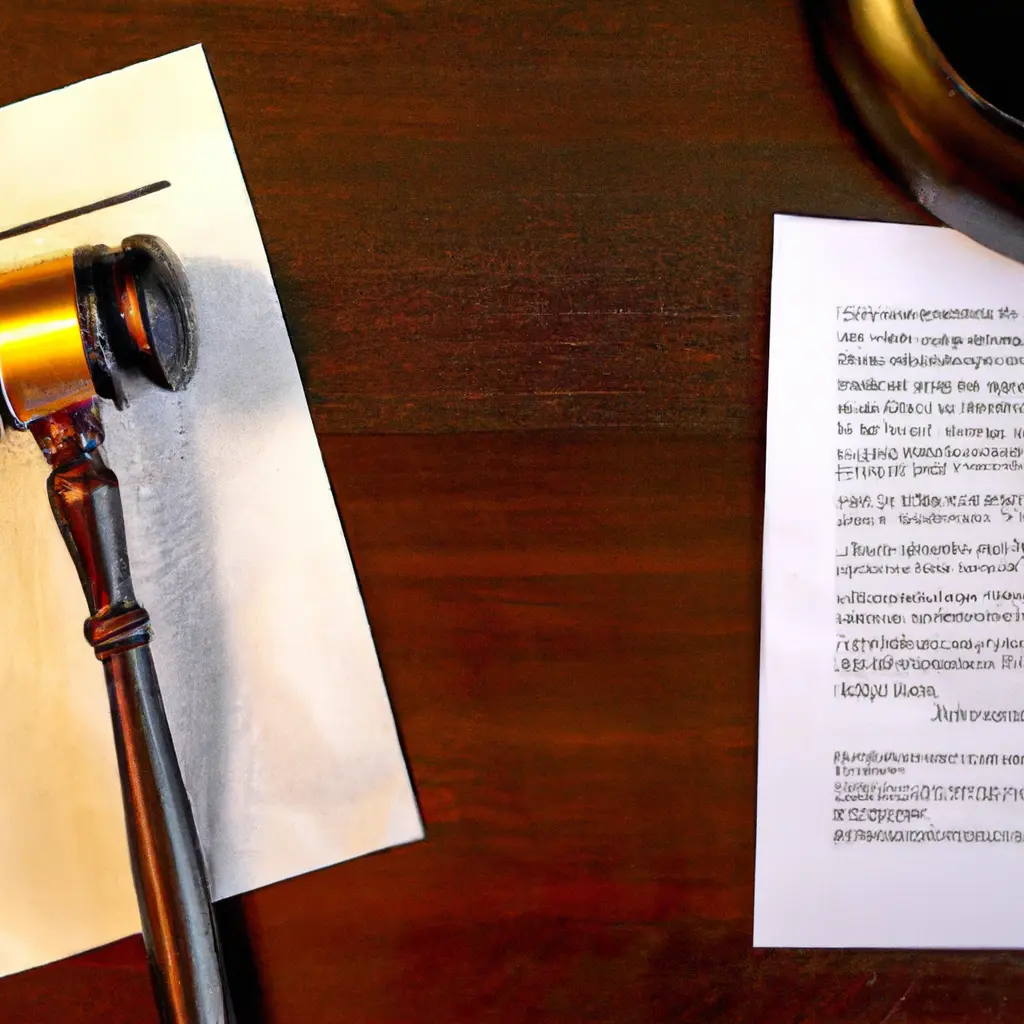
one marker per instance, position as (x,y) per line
(271,682)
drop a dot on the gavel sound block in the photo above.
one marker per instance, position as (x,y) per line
(70,328)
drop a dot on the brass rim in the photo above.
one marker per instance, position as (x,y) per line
(960,156)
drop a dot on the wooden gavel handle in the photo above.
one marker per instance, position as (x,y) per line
(174,900)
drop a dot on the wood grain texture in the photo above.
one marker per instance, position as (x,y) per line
(493,224)
(507,215)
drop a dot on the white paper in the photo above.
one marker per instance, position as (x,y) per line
(271,682)
(891,746)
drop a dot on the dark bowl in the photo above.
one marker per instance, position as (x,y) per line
(959,153)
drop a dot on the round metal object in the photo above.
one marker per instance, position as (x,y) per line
(72,326)
(164,332)
(960,155)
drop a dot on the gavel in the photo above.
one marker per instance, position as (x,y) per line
(71,329)
(936,86)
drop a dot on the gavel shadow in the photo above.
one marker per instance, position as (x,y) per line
(183,461)
(240,963)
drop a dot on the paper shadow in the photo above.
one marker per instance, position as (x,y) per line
(157,446)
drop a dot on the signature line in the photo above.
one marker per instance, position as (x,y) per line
(81,211)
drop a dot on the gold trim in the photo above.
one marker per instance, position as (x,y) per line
(43,366)
(961,157)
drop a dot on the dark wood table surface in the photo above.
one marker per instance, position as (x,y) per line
(523,247)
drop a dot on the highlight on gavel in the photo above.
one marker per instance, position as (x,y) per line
(70,329)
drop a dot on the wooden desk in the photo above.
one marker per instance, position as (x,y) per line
(524,250)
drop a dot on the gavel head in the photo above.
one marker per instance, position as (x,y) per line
(72,327)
